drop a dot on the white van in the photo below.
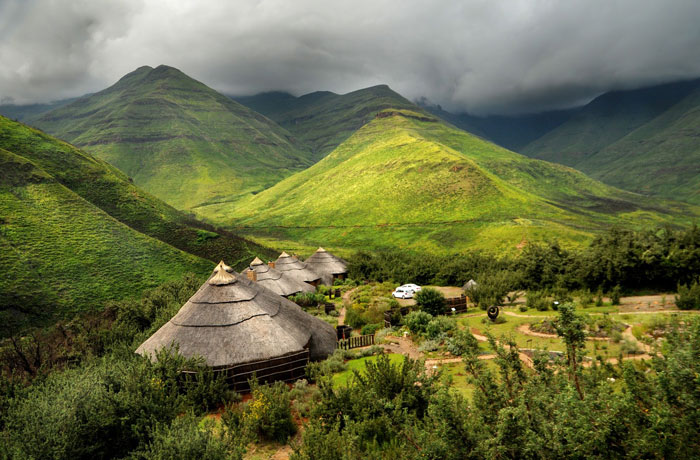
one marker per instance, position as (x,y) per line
(403,293)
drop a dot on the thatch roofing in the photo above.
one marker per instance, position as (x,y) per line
(231,320)
(326,264)
(281,283)
(469,285)
(291,266)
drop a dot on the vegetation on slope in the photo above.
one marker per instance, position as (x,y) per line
(407,180)
(177,138)
(110,190)
(323,119)
(640,140)
(75,232)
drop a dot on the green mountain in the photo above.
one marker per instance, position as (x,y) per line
(323,120)
(29,111)
(408,180)
(513,132)
(75,232)
(642,140)
(177,138)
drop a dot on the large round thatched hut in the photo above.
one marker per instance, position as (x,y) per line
(275,280)
(328,266)
(291,266)
(241,328)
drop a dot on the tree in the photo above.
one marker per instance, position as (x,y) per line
(431,301)
(570,328)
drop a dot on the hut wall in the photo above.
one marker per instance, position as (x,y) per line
(285,368)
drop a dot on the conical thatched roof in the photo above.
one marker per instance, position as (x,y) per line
(231,320)
(326,264)
(469,285)
(276,281)
(291,266)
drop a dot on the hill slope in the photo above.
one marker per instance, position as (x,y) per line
(74,232)
(323,120)
(642,140)
(408,180)
(177,138)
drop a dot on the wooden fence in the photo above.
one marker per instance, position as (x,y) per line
(458,303)
(355,342)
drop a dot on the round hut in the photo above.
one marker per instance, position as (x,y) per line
(240,328)
(328,266)
(291,266)
(275,280)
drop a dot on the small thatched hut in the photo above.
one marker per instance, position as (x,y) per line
(328,266)
(471,284)
(275,280)
(241,328)
(291,266)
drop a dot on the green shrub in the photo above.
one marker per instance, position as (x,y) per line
(431,301)
(417,321)
(461,342)
(537,300)
(307,299)
(429,345)
(615,295)
(439,326)
(354,317)
(269,412)
(523,308)
(599,298)
(370,329)
(585,298)
(185,439)
(688,297)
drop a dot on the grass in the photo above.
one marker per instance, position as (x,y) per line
(323,120)
(345,377)
(178,139)
(641,140)
(75,233)
(436,189)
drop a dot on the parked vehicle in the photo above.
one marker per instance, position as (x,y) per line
(403,293)
(414,287)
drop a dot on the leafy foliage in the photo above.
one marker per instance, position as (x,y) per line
(430,301)
(688,297)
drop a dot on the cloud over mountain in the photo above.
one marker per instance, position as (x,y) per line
(483,56)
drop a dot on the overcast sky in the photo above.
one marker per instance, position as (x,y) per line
(482,56)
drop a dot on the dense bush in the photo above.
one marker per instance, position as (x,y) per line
(417,321)
(439,327)
(370,329)
(688,297)
(538,301)
(308,299)
(431,301)
(615,295)
(269,412)
(649,259)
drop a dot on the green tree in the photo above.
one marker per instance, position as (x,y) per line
(431,301)
(570,327)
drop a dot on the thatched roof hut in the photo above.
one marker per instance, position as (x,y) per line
(240,327)
(327,265)
(469,285)
(291,266)
(275,280)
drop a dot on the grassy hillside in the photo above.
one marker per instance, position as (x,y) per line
(408,180)
(510,131)
(662,157)
(605,120)
(323,120)
(75,232)
(178,139)
(28,111)
(640,140)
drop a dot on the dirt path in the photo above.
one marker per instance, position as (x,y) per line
(525,329)
(346,302)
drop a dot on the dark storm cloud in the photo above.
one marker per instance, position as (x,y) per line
(481,55)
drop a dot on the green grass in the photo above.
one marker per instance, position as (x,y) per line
(75,233)
(640,140)
(345,377)
(323,120)
(411,182)
(178,139)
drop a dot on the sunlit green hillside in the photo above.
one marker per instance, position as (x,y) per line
(408,180)
(177,138)
(74,232)
(323,119)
